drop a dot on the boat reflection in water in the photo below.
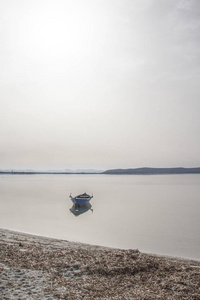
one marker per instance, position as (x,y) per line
(81,209)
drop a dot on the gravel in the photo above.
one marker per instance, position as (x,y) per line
(34,267)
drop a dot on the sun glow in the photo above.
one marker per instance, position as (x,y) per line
(71,35)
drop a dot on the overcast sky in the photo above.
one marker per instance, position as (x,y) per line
(99,83)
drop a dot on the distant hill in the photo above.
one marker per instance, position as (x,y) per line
(151,171)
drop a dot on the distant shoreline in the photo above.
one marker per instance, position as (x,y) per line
(48,173)
(136,171)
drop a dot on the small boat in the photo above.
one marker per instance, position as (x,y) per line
(81,199)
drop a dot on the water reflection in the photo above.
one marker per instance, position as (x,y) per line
(160,214)
(78,210)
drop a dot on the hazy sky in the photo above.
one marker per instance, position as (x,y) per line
(99,83)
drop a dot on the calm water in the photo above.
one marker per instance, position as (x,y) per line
(156,214)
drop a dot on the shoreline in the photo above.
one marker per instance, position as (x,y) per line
(129,171)
(33,236)
(36,267)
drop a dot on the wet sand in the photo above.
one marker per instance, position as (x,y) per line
(34,267)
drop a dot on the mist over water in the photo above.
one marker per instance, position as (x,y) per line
(156,214)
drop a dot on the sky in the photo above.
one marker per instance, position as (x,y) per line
(99,84)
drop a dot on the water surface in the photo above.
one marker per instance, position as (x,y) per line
(154,213)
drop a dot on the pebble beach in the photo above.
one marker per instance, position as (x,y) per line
(35,267)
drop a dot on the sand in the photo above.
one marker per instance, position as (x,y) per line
(34,267)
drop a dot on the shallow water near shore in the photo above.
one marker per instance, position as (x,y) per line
(154,213)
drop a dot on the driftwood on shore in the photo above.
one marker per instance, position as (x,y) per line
(33,267)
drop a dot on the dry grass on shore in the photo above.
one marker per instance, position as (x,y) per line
(34,267)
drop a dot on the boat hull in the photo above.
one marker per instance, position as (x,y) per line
(81,200)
